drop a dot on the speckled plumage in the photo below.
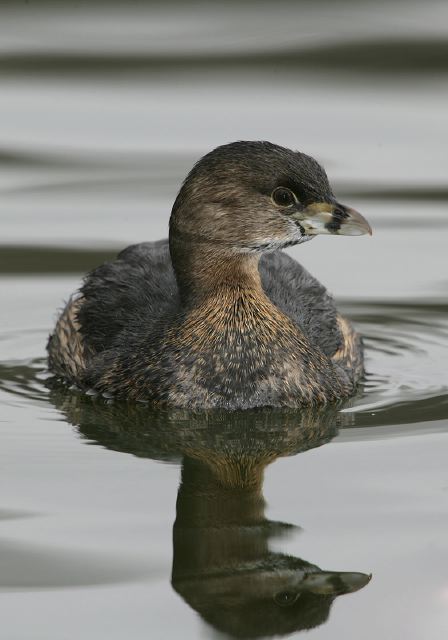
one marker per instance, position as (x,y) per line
(236,323)
(127,308)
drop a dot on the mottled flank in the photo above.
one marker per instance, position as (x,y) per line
(66,347)
(350,354)
(218,316)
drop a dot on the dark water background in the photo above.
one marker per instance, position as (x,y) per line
(103,109)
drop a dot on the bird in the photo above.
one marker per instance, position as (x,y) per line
(218,316)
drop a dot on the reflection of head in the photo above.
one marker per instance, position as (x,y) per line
(254,610)
(222,565)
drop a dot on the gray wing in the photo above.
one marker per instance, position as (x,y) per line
(137,288)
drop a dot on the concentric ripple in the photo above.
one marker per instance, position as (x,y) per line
(406,355)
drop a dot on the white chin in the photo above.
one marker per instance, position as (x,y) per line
(305,238)
(288,242)
(274,244)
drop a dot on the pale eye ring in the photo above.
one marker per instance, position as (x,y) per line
(283,197)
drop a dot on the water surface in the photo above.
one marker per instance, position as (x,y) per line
(119,521)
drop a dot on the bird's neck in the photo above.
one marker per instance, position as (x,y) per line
(205,271)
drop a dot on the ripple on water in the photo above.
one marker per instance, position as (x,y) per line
(406,355)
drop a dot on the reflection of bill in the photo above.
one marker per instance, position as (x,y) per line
(222,565)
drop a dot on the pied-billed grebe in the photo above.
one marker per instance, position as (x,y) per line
(217,316)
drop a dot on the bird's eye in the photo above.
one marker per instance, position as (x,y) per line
(283,197)
(286,598)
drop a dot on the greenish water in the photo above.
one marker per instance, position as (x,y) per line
(120,521)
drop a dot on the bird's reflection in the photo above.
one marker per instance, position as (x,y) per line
(223,566)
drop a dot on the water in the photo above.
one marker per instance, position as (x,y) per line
(122,522)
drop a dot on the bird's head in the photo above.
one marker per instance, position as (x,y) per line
(258,196)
